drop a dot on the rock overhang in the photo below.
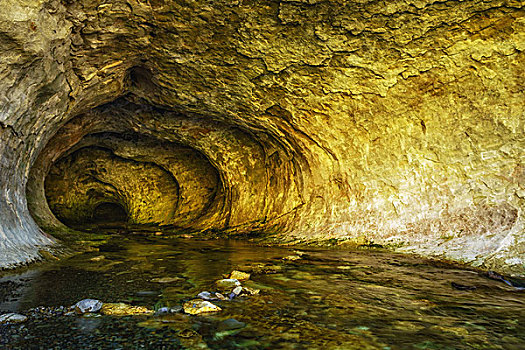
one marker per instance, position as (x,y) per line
(398,124)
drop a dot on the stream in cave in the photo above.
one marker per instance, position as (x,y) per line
(310,298)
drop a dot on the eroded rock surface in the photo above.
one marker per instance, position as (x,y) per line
(398,123)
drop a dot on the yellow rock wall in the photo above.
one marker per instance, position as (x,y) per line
(394,122)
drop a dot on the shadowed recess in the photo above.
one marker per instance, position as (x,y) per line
(109,213)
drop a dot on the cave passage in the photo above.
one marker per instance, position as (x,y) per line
(351,122)
(107,213)
(168,170)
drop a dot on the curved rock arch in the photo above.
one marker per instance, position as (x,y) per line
(399,124)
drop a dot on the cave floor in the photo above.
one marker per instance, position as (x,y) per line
(310,298)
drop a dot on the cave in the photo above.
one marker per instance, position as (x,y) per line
(364,124)
(396,125)
(109,213)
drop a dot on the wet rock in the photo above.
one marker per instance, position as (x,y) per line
(87,305)
(239,275)
(261,268)
(227,284)
(250,291)
(518,284)
(98,258)
(168,310)
(47,255)
(162,310)
(291,257)
(237,290)
(187,333)
(206,296)
(12,318)
(122,309)
(199,306)
(43,313)
(221,296)
(230,324)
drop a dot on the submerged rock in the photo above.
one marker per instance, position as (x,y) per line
(239,275)
(43,313)
(167,279)
(262,268)
(206,296)
(519,285)
(87,305)
(122,309)
(12,318)
(199,306)
(221,296)
(168,310)
(230,324)
(237,290)
(250,291)
(98,258)
(291,257)
(227,284)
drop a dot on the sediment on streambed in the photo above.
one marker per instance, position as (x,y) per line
(156,292)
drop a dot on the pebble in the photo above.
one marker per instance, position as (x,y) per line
(87,305)
(168,310)
(206,296)
(250,291)
(12,318)
(230,324)
(121,309)
(237,290)
(98,258)
(227,284)
(239,275)
(42,313)
(199,306)
(221,296)
(262,268)
(292,257)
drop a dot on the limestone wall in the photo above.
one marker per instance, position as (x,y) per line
(394,122)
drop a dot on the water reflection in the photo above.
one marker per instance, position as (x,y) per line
(327,298)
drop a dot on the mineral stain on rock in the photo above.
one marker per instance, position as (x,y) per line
(348,121)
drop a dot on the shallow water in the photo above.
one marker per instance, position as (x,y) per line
(327,299)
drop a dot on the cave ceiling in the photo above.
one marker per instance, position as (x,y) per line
(398,123)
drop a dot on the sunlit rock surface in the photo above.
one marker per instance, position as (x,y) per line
(398,123)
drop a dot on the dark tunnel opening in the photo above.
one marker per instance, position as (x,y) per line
(109,213)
